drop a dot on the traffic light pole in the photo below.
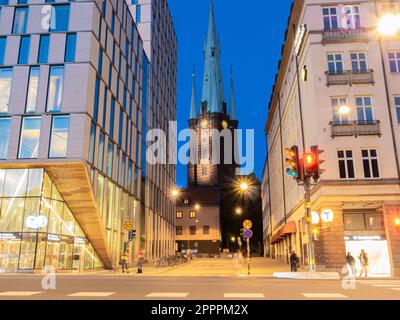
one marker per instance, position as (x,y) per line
(311,259)
(248,256)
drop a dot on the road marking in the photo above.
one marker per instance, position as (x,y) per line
(325,295)
(397,289)
(244,295)
(91,294)
(167,295)
(386,285)
(19,293)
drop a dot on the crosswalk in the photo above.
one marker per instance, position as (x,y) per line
(393,285)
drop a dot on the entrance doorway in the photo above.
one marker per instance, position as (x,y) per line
(9,255)
(378,256)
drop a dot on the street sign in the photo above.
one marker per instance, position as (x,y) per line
(314,217)
(128,226)
(327,215)
(247,234)
(247,224)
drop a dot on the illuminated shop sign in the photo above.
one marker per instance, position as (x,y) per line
(53,237)
(363,238)
(80,240)
(10,236)
(36,222)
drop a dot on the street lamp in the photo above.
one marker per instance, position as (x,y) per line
(238,211)
(175,193)
(344,109)
(389,24)
(197,207)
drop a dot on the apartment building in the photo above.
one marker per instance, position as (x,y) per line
(337,87)
(74,81)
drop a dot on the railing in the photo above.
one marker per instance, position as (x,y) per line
(344,35)
(355,128)
(350,77)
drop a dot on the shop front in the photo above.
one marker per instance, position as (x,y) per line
(37,229)
(365,231)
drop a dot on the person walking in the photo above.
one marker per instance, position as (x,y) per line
(140,262)
(294,261)
(124,259)
(364,262)
(351,262)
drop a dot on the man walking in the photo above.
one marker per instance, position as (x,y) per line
(294,261)
(124,262)
(351,262)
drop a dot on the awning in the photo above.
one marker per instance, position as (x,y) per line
(288,228)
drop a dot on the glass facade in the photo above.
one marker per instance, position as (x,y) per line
(37,228)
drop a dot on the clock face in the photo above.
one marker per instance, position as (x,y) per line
(204,124)
(224,124)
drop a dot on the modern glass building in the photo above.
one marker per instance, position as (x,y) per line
(74,88)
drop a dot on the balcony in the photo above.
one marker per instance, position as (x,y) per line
(344,35)
(355,128)
(350,77)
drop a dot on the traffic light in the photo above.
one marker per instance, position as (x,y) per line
(309,164)
(294,164)
(316,152)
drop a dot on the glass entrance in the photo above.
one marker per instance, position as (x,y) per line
(9,255)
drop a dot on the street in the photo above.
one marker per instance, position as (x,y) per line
(200,280)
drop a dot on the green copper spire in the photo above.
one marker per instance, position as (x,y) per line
(213,88)
(193,108)
(232,103)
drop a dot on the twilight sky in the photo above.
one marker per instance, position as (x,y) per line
(251,35)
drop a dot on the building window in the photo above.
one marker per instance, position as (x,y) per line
(358,62)
(179,214)
(70,47)
(59,18)
(55,91)
(206,230)
(397,104)
(5,129)
(204,170)
(5,88)
(339,118)
(3,44)
(101,152)
(364,110)
(32,90)
(112,118)
(44,48)
(110,158)
(354,222)
(92,142)
(370,163)
(179,230)
(59,137)
(192,214)
(361,222)
(193,230)
(96,99)
(30,135)
(23,56)
(374,221)
(330,18)
(138,13)
(186,202)
(335,63)
(346,164)
(352,17)
(20,20)
(394,61)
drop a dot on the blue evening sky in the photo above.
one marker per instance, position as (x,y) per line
(251,35)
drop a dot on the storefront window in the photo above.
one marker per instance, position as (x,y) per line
(35,182)
(374,221)
(12,212)
(15,183)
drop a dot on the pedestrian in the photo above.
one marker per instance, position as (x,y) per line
(124,259)
(364,262)
(351,262)
(140,262)
(294,261)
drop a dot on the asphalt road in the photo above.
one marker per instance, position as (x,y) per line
(133,287)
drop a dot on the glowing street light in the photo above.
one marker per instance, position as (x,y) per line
(238,211)
(397,222)
(244,186)
(344,109)
(197,207)
(389,24)
(175,193)
(233,239)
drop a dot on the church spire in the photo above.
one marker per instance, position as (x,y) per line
(213,88)
(232,103)
(193,108)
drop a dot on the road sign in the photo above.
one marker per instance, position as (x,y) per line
(248,234)
(128,226)
(327,215)
(247,224)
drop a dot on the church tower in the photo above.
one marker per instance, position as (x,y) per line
(212,115)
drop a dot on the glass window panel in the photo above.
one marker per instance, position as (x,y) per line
(24,50)
(66,253)
(59,137)
(40,251)
(31,216)
(354,222)
(12,213)
(5,88)
(30,134)
(55,90)
(5,128)
(46,192)
(68,225)
(92,142)
(374,221)
(3,44)
(55,194)
(2,177)
(55,217)
(20,20)
(35,182)
(32,90)
(44,49)
(15,183)
(101,152)
(59,18)
(27,253)
(70,47)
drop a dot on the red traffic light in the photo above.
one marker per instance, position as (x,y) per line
(309,160)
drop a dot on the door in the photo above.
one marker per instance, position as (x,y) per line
(9,255)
